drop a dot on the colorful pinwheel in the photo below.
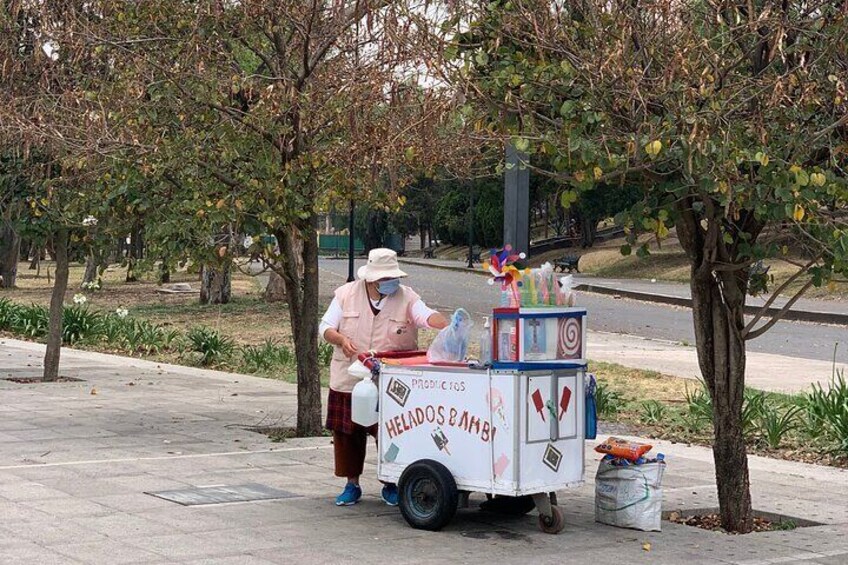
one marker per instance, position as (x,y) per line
(501,266)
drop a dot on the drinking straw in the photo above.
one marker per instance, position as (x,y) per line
(532,278)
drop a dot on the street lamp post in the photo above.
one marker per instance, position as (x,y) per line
(517,200)
(350,248)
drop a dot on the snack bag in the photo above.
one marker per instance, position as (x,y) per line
(622,448)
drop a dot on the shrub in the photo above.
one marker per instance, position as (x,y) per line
(79,323)
(773,423)
(265,357)
(699,409)
(213,347)
(653,412)
(325,353)
(31,321)
(827,410)
(753,408)
(8,313)
(608,402)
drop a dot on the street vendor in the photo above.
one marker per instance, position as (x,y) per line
(374,313)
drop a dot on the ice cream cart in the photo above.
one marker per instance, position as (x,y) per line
(511,429)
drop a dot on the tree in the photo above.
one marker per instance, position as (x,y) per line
(730,117)
(250,115)
(46,117)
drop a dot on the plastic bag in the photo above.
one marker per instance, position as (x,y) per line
(565,291)
(591,409)
(452,342)
(629,497)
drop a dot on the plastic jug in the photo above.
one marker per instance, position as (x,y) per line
(364,403)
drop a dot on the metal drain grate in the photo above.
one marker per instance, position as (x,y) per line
(222,494)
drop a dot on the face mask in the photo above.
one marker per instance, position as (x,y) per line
(388,287)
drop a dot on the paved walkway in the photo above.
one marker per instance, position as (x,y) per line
(78,457)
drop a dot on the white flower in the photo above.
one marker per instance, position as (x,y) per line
(122,312)
(89,221)
(248,241)
(80,299)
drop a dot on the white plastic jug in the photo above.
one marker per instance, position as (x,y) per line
(364,403)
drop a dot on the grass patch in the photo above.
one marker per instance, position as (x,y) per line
(808,427)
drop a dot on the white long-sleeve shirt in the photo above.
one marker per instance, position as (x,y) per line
(333,316)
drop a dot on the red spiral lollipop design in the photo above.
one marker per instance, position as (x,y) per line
(569,338)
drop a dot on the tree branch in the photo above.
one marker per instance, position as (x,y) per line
(762,311)
(749,335)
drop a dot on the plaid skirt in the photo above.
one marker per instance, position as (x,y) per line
(339,414)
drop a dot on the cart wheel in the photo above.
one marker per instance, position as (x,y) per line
(554,523)
(428,495)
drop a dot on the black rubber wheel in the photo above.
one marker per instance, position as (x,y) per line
(509,505)
(428,495)
(554,524)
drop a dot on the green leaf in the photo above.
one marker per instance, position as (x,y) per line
(643,252)
(522,144)
(567,108)
(568,198)
(626,249)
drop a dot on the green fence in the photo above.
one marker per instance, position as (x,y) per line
(329,243)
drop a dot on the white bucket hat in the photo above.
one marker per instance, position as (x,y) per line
(382,264)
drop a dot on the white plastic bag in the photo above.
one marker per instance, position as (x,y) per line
(452,342)
(565,291)
(629,497)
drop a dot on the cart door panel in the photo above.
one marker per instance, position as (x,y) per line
(539,422)
(566,406)
(441,415)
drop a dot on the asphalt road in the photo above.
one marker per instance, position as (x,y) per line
(447,290)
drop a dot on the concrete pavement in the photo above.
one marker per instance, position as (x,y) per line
(78,457)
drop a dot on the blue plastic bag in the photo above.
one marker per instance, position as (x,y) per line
(591,409)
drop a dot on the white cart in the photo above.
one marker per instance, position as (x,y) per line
(515,430)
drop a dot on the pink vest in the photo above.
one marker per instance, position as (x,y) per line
(393,329)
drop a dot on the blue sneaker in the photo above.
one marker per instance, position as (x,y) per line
(390,495)
(351,495)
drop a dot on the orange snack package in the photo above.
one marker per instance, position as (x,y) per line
(622,448)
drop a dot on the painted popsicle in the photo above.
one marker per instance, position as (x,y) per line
(539,403)
(564,399)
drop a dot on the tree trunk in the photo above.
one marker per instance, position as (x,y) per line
(164,273)
(57,300)
(10,251)
(34,256)
(135,252)
(718,302)
(215,285)
(721,356)
(91,270)
(276,289)
(302,298)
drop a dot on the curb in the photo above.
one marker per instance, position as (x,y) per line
(832,318)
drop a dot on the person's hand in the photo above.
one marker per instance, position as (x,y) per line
(348,347)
